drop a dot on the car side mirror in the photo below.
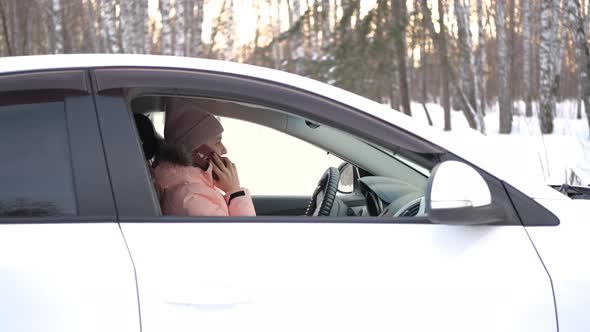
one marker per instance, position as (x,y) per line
(347,178)
(458,195)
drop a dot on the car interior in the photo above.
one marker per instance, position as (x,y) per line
(371,182)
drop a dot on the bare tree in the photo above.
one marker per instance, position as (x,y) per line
(179,28)
(197,31)
(229,31)
(166,33)
(91,18)
(5,28)
(467,67)
(441,40)
(503,71)
(545,109)
(109,25)
(57,31)
(325,25)
(400,13)
(480,58)
(576,25)
(526,55)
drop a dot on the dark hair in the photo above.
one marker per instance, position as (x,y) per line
(173,153)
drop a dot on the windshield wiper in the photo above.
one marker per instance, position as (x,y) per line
(573,192)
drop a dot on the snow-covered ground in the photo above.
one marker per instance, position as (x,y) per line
(561,157)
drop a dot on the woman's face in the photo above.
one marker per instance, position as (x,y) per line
(217,146)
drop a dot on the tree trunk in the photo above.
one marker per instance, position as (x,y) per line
(545,109)
(109,25)
(197,29)
(57,20)
(399,12)
(481,58)
(526,55)
(465,50)
(576,25)
(127,25)
(503,71)
(215,29)
(276,32)
(91,18)
(468,66)
(166,29)
(179,28)
(559,54)
(325,25)
(423,52)
(5,29)
(229,31)
(445,65)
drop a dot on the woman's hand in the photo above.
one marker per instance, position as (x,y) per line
(227,174)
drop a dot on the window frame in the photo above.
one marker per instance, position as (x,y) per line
(92,191)
(113,82)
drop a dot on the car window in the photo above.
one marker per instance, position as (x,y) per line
(35,173)
(273,163)
(269,162)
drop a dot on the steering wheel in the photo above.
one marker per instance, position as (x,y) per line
(324,195)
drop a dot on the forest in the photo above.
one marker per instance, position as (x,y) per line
(464,55)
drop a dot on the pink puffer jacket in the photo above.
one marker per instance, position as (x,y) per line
(189,191)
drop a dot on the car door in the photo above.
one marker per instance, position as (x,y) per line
(64,265)
(313,274)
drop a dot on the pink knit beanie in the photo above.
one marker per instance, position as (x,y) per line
(188,125)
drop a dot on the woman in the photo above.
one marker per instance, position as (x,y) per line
(187,185)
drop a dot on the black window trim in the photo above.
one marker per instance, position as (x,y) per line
(216,85)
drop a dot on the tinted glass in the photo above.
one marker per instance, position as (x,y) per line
(35,170)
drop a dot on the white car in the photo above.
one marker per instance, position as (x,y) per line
(410,233)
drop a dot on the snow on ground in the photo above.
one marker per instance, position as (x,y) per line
(561,157)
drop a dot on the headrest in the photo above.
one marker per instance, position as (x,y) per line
(147,135)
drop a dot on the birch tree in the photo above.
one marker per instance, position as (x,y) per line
(276,24)
(400,12)
(166,34)
(109,22)
(91,18)
(440,39)
(127,24)
(468,66)
(179,28)
(576,25)
(464,45)
(229,31)
(480,58)
(503,71)
(325,25)
(545,109)
(57,21)
(5,29)
(526,55)
(197,29)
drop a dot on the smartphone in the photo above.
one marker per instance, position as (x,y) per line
(204,155)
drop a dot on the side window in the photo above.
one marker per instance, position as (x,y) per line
(273,163)
(269,162)
(35,172)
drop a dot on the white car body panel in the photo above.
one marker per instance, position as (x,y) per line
(338,277)
(565,250)
(467,151)
(66,278)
